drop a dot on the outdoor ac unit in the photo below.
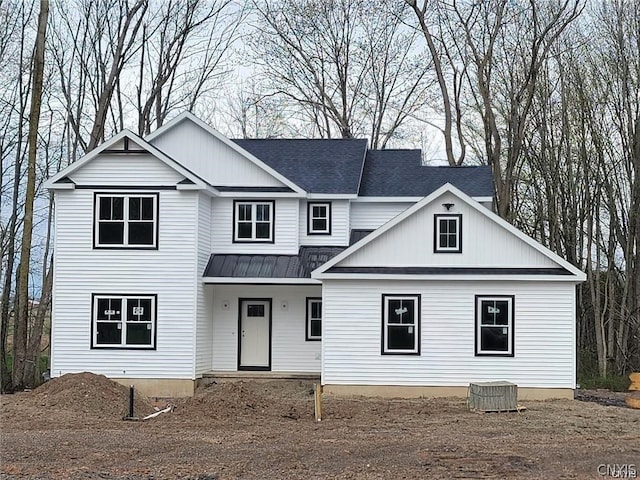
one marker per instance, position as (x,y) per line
(493,396)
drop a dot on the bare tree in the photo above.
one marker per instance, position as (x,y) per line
(179,32)
(351,66)
(21,333)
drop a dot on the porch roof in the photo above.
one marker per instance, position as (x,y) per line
(269,267)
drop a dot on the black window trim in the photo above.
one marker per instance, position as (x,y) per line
(436,230)
(310,230)
(308,336)
(154,321)
(512,325)
(272,229)
(383,340)
(126,194)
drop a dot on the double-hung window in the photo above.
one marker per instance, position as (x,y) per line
(314,318)
(447,233)
(126,220)
(253,221)
(319,218)
(494,325)
(401,324)
(124,321)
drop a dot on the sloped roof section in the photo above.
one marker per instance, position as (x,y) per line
(389,173)
(329,166)
(270,266)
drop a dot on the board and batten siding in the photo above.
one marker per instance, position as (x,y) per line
(543,345)
(204,320)
(168,272)
(484,242)
(371,215)
(339,224)
(290,351)
(125,170)
(210,158)
(285,229)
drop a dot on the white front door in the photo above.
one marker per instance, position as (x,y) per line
(255,335)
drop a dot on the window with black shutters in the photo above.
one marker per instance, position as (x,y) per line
(126,221)
(400,324)
(124,321)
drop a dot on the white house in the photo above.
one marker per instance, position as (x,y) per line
(186,254)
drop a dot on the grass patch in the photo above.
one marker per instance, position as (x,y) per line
(615,383)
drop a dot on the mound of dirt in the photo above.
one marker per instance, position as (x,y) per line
(231,399)
(89,394)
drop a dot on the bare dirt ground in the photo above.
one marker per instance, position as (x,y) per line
(72,427)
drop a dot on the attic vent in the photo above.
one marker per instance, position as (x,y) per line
(493,396)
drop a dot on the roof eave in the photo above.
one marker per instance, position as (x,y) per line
(260,281)
(381,276)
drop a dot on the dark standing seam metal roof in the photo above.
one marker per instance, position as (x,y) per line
(270,266)
(401,173)
(332,166)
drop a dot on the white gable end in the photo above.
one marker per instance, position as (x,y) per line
(210,158)
(486,243)
(126,169)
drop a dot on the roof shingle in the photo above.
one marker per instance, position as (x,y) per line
(331,166)
(389,173)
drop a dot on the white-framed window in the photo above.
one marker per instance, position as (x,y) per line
(253,221)
(447,233)
(314,319)
(126,220)
(494,325)
(401,324)
(319,218)
(123,321)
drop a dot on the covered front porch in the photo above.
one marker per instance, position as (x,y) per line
(265,331)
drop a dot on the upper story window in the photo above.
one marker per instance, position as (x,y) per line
(448,233)
(494,325)
(124,321)
(314,318)
(401,324)
(126,220)
(253,221)
(319,218)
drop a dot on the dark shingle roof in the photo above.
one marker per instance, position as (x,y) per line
(401,173)
(319,166)
(270,266)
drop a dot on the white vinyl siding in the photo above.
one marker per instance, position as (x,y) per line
(167,272)
(544,335)
(126,170)
(371,215)
(486,243)
(204,299)
(339,225)
(210,158)
(285,216)
(290,352)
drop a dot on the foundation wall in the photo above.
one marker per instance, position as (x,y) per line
(159,387)
(398,391)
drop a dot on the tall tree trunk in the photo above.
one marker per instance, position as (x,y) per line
(22,311)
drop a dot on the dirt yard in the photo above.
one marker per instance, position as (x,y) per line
(72,427)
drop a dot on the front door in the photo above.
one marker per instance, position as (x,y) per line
(255,335)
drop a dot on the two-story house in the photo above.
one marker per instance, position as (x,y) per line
(186,253)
